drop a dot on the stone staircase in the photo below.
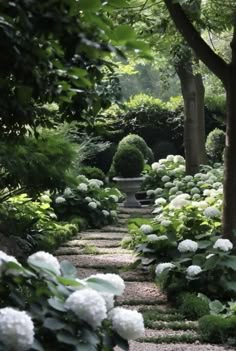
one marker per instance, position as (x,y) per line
(96,251)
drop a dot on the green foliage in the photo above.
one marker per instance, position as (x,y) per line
(128,161)
(135,140)
(92,173)
(36,163)
(163,148)
(215,145)
(103,159)
(150,156)
(192,306)
(217,329)
(41,289)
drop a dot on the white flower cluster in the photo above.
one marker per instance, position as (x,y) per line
(154,237)
(128,324)
(95,183)
(93,205)
(105,213)
(223,245)
(112,278)
(16,329)
(180,200)
(82,187)
(60,200)
(68,192)
(163,266)
(4,258)
(160,201)
(211,212)
(188,246)
(50,261)
(146,229)
(88,305)
(193,270)
(114,198)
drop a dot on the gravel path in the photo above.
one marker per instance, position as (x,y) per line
(99,251)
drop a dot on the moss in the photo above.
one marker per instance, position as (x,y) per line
(193,307)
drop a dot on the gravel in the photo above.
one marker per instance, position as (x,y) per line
(137,346)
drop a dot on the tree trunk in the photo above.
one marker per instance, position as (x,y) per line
(229,205)
(194,117)
(200,106)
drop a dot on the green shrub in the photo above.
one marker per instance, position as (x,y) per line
(214,329)
(163,148)
(193,307)
(150,156)
(128,161)
(92,173)
(215,145)
(135,140)
(103,159)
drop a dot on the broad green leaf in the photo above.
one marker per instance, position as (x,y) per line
(68,269)
(37,346)
(101,285)
(53,324)
(85,347)
(67,338)
(57,304)
(89,5)
(124,33)
(211,262)
(229,262)
(70,282)
(230,285)
(216,307)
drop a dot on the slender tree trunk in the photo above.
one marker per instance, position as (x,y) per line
(200,106)
(229,205)
(194,117)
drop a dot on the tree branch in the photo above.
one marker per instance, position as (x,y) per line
(203,51)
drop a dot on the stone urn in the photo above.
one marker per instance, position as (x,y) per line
(129,186)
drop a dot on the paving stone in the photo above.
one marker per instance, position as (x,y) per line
(102,235)
(141,293)
(97,243)
(87,272)
(94,250)
(153,333)
(114,229)
(138,346)
(141,308)
(99,261)
(136,211)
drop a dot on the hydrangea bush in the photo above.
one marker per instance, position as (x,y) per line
(90,200)
(45,306)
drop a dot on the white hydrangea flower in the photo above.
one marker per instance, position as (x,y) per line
(162,161)
(160,201)
(152,237)
(165,179)
(95,183)
(114,198)
(168,185)
(68,192)
(82,179)
(179,159)
(88,305)
(146,229)
(109,300)
(113,279)
(128,324)
(188,178)
(16,329)
(165,223)
(150,192)
(173,190)
(211,212)
(195,190)
(46,258)
(163,266)
(155,166)
(45,198)
(113,213)
(193,270)
(158,191)
(92,205)
(190,184)
(201,182)
(105,213)
(196,196)
(170,158)
(207,192)
(223,245)
(60,200)
(88,199)
(82,187)
(198,176)
(180,201)
(202,204)
(53,216)
(188,246)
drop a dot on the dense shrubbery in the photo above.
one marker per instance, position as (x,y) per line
(45,306)
(137,141)
(92,173)
(128,161)
(215,145)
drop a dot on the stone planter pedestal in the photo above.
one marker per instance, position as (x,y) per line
(129,186)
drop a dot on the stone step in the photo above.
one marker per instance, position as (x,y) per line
(114,229)
(99,261)
(141,293)
(153,333)
(102,235)
(91,249)
(97,243)
(139,346)
(145,210)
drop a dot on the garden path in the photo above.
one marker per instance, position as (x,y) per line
(99,251)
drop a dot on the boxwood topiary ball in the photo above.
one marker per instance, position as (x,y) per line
(128,161)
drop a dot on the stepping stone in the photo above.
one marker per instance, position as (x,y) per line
(100,261)
(141,293)
(114,229)
(135,276)
(91,249)
(102,235)
(97,243)
(138,346)
(137,211)
(123,216)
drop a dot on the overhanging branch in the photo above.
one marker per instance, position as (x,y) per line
(214,62)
